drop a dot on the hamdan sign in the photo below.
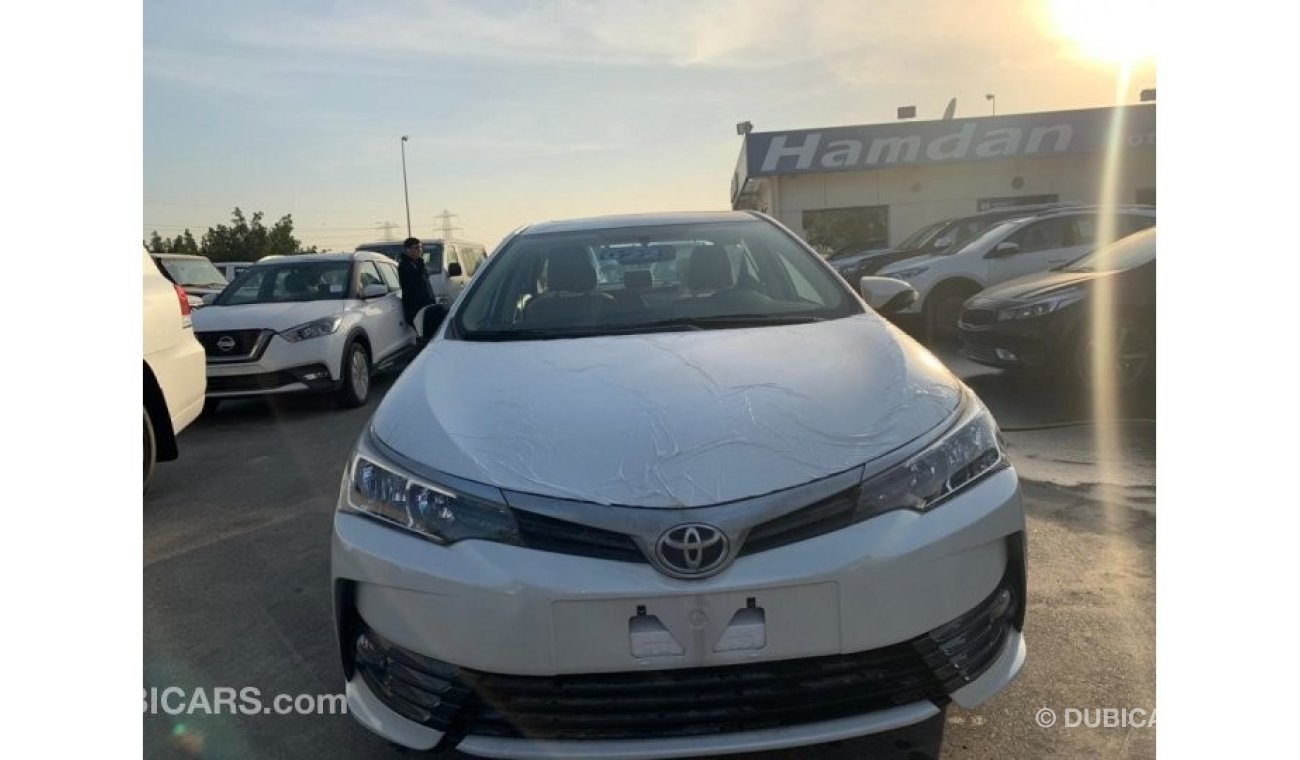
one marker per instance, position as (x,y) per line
(953,141)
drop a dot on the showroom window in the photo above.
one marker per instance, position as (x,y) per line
(836,229)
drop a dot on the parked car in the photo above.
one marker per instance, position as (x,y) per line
(1005,251)
(306,323)
(196,274)
(947,235)
(1048,321)
(450,263)
(174,379)
(720,507)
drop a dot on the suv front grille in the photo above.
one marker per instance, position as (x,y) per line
(691,701)
(243,345)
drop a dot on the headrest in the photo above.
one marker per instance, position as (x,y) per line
(295,282)
(569,269)
(709,268)
(637,279)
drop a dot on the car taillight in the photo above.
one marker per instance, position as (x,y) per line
(186,319)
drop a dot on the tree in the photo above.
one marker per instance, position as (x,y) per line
(249,240)
(156,243)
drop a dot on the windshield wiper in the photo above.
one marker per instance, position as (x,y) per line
(722,321)
(675,324)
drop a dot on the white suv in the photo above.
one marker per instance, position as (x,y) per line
(1005,251)
(173,367)
(314,322)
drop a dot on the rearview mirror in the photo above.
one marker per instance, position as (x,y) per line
(942,242)
(374,290)
(887,295)
(454,270)
(1006,249)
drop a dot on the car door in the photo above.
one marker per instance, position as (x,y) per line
(382,316)
(406,332)
(1038,245)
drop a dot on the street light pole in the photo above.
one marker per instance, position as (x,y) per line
(405,191)
(994,100)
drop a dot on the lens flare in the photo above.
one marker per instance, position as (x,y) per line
(1119,32)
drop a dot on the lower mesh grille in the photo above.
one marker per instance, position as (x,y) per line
(692,701)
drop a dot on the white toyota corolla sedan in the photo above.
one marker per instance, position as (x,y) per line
(663,486)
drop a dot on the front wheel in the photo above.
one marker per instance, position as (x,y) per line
(942,310)
(356,376)
(1126,355)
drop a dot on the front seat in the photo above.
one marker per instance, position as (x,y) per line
(709,270)
(295,285)
(570,297)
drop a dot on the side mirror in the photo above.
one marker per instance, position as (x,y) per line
(374,290)
(887,295)
(429,319)
(1006,249)
(454,270)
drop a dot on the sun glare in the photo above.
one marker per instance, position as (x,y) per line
(1119,32)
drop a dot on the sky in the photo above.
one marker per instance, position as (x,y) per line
(519,112)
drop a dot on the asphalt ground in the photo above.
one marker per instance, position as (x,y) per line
(236,568)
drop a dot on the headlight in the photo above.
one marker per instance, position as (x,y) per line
(906,274)
(381,490)
(1042,306)
(313,329)
(970,450)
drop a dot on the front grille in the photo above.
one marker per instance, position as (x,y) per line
(692,701)
(563,537)
(248,344)
(829,514)
(978,317)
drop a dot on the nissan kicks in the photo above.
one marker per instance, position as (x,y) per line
(307,323)
(709,503)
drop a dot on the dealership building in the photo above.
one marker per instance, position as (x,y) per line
(875,184)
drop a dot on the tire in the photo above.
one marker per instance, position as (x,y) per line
(150,450)
(210,405)
(942,310)
(1131,360)
(356,376)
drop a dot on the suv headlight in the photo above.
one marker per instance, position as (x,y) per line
(905,274)
(314,329)
(968,451)
(1041,306)
(379,489)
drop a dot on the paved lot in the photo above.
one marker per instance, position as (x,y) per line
(236,567)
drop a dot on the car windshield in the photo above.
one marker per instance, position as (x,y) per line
(432,253)
(649,279)
(290,281)
(965,231)
(198,272)
(921,236)
(1126,253)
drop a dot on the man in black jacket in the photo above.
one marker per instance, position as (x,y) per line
(416,293)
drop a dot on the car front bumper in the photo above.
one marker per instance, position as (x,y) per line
(890,599)
(283,367)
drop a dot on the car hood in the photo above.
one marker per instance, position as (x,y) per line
(263,316)
(667,419)
(1032,286)
(855,258)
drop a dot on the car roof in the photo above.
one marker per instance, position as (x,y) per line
(635,220)
(333,256)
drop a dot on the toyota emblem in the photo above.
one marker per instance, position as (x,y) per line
(692,549)
(226,343)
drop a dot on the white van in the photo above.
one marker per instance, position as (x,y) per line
(451,263)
